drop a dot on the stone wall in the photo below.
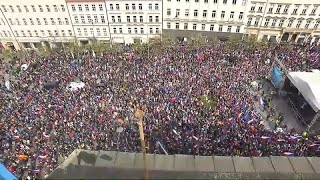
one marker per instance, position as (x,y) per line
(83,164)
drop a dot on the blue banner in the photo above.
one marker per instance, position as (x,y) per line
(5,174)
(276,77)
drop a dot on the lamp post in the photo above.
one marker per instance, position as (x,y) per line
(139,115)
(148,40)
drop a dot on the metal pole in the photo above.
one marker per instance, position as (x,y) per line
(139,114)
(64,50)
(148,39)
(105,6)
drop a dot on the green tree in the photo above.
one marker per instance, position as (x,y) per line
(99,47)
(73,46)
(208,102)
(8,55)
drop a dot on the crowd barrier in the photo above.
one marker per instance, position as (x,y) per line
(82,164)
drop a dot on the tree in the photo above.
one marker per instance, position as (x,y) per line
(73,47)
(208,102)
(8,55)
(167,41)
(138,47)
(99,47)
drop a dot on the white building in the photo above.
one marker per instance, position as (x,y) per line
(284,20)
(89,19)
(134,20)
(34,21)
(213,18)
(5,32)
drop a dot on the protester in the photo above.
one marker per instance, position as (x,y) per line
(44,116)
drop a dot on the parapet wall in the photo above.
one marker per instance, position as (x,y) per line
(83,164)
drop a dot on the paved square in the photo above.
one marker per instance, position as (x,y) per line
(281,164)
(204,163)
(125,160)
(223,164)
(315,163)
(106,158)
(164,162)
(184,162)
(262,164)
(138,161)
(243,164)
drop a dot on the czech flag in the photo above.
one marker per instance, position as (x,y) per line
(265,137)
(288,154)
(314,145)
(16,137)
(42,157)
(46,136)
(36,171)
(173,100)
(195,138)
(293,138)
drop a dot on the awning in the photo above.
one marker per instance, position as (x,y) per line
(308,83)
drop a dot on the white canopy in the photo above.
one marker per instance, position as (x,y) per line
(308,83)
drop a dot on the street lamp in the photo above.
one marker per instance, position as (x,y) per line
(139,115)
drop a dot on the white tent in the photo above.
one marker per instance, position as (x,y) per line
(308,83)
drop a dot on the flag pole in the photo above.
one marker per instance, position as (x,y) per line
(139,115)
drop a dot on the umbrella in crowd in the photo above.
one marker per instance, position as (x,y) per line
(194,104)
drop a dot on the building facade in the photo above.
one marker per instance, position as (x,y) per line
(213,18)
(284,20)
(89,20)
(35,23)
(134,21)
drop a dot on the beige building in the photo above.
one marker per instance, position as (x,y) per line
(284,20)
(35,23)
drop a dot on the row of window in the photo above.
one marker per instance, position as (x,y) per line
(234,2)
(204,27)
(39,8)
(204,13)
(86,7)
(134,19)
(116,30)
(36,33)
(281,23)
(89,19)
(98,32)
(133,6)
(284,9)
(38,21)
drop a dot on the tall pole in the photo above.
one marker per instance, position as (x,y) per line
(148,40)
(64,50)
(109,29)
(139,115)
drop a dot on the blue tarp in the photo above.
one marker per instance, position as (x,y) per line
(5,174)
(276,77)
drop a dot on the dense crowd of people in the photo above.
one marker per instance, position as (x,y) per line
(42,118)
